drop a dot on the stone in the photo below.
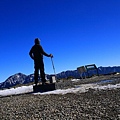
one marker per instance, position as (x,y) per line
(44,88)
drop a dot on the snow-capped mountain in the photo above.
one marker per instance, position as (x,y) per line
(20,78)
(101,71)
(16,79)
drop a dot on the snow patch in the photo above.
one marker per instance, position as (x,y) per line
(75,80)
(81,89)
(78,88)
(15,91)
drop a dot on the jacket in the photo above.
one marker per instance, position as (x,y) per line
(37,52)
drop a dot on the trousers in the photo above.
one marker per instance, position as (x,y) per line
(39,66)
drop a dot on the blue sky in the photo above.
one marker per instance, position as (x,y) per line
(76,32)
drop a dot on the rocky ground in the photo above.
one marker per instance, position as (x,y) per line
(91,105)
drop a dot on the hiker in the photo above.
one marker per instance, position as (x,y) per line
(36,53)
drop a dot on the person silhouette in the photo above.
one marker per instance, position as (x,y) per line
(36,53)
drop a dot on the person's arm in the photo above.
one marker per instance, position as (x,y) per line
(44,53)
(31,54)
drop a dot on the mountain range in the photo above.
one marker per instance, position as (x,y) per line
(20,78)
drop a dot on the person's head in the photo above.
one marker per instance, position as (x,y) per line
(37,41)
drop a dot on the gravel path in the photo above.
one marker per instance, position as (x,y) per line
(92,105)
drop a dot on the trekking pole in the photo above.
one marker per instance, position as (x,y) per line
(53,66)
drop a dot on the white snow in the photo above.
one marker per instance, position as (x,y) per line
(75,80)
(15,91)
(17,76)
(79,88)
(109,86)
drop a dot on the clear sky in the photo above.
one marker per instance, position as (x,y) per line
(76,32)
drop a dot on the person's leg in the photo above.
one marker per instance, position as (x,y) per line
(36,74)
(42,73)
